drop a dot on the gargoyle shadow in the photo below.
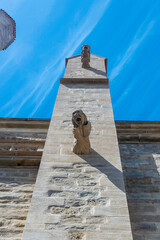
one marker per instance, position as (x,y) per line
(99,72)
(100,163)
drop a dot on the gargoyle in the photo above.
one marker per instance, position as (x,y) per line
(85,56)
(81,131)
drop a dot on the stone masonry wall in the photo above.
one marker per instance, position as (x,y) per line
(141,167)
(139,143)
(80,197)
(140,155)
(21,146)
(16,187)
(74,68)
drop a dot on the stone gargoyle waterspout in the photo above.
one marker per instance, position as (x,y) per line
(85,56)
(81,131)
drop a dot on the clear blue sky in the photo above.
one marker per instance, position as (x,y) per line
(125,32)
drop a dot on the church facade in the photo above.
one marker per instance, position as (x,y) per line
(111,193)
(22,143)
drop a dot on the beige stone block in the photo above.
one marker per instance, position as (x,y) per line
(106,235)
(123,228)
(113,194)
(122,220)
(100,211)
(38,234)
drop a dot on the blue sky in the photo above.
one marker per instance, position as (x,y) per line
(125,32)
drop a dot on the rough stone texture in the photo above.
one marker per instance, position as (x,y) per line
(97,68)
(139,144)
(138,157)
(138,131)
(141,170)
(20,139)
(7,30)
(80,197)
(16,187)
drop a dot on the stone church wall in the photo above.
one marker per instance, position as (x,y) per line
(139,145)
(141,171)
(21,147)
(16,187)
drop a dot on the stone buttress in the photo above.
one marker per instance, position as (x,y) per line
(80,197)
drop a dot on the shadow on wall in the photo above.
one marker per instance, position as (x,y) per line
(83,86)
(105,167)
(99,72)
(141,164)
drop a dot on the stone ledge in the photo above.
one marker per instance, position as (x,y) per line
(138,131)
(85,80)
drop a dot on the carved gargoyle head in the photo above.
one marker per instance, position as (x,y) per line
(78,118)
(85,56)
(81,132)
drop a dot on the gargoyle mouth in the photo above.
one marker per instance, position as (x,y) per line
(78,120)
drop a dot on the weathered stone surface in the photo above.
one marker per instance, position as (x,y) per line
(142,177)
(16,187)
(22,141)
(96,70)
(17,171)
(7,30)
(73,190)
(143,205)
(138,131)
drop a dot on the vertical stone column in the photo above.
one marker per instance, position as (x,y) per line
(80,197)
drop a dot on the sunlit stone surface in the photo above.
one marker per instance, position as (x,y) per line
(80,197)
